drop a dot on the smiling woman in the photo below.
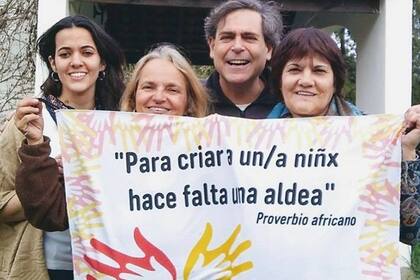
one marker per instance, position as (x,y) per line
(85,72)
(77,64)
(308,73)
(161,89)
(164,82)
(307,86)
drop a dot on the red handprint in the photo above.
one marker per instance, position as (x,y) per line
(125,261)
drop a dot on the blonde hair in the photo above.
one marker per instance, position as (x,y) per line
(197,96)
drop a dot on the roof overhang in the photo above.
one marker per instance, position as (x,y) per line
(353,6)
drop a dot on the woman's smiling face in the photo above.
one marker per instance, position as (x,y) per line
(307,86)
(76,61)
(161,89)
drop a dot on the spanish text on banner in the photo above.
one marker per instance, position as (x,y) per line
(165,197)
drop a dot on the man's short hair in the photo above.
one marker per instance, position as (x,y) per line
(272,24)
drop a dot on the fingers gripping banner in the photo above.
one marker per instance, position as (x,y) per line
(164,197)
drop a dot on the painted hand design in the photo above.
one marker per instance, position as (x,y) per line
(216,269)
(217,263)
(159,272)
(129,265)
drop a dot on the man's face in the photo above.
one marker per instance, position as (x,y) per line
(239,51)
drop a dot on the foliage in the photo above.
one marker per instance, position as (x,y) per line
(415,260)
(203,71)
(348,50)
(18,22)
(128,69)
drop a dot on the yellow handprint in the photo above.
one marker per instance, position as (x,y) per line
(224,268)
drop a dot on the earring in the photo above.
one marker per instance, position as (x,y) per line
(54,77)
(101,75)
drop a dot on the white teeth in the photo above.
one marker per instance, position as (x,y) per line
(238,62)
(305,93)
(157,110)
(77,75)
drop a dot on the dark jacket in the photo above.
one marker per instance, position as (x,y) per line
(45,201)
(259,109)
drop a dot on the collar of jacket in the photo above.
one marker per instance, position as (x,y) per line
(338,107)
(218,96)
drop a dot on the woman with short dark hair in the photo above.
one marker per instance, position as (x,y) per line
(309,72)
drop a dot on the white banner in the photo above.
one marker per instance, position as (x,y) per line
(164,197)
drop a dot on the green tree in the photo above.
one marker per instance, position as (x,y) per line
(415,260)
(348,50)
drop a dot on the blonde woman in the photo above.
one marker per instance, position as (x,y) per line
(163,82)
